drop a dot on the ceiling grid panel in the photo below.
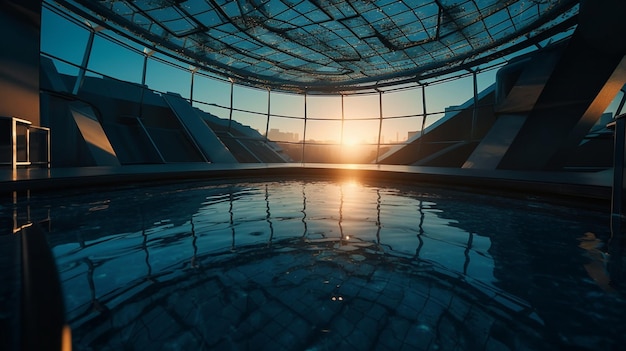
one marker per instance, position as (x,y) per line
(329,44)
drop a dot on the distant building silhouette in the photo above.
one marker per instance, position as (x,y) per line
(276,135)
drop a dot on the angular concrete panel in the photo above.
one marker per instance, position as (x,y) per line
(494,145)
(573,98)
(453,128)
(93,134)
(204,138)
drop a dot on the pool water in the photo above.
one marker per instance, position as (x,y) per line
(328,265)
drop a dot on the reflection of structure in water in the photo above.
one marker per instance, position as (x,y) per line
(318,293)
(172,238)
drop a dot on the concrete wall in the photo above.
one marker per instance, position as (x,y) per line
(20,24)
(446,143)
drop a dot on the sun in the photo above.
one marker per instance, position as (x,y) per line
(350,141)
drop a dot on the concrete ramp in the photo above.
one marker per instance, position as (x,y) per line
(132,142)
(494,145)
(90,129)
(453,128)
(579,89)
(203,137)
(518,87)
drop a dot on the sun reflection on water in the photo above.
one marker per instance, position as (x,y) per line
(345,244)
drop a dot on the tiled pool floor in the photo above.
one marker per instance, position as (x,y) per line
(327,265)
(305,295)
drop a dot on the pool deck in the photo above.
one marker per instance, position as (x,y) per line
(581,185)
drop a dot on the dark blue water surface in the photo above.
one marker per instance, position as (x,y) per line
(321,265)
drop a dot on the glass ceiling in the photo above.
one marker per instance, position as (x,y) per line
(330,44)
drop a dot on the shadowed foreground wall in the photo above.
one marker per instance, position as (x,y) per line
(20,23)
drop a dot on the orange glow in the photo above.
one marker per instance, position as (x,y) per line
(352,182)
(350,140)
(66,339)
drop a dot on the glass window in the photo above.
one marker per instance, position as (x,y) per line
(362,106)
(287,104)
(399,130)
(324,107)
(213,95)
(111,59)
(323,131)
(163,76)
(402,103)
(358,132)
(253,120)
(286,129)
(63,38)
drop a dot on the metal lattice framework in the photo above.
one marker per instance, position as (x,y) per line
(332,44)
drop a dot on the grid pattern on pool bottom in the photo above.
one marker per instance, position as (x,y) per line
(309,297)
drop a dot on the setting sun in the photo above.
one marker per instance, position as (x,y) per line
(350,141)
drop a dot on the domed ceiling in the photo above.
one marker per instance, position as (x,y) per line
(331,44)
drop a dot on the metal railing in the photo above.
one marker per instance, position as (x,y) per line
(23,144)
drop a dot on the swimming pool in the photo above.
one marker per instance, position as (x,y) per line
(316,264)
